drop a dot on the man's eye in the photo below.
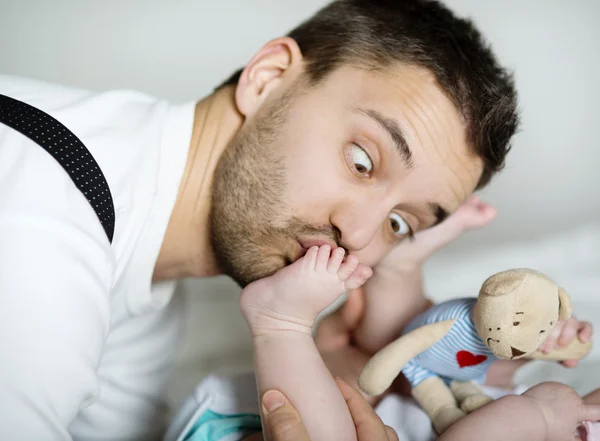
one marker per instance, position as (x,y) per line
(361,160)
(399,226)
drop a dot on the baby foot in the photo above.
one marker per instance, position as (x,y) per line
(472,214)
(293,297)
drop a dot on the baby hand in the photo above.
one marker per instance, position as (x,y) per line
(563,409)
(292,298)
(564,333)
(473,213)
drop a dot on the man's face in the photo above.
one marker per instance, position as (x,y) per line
(361,161)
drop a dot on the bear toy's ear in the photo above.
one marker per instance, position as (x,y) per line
(565,308)
(503,283)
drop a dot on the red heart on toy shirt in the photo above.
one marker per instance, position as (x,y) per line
(466,359)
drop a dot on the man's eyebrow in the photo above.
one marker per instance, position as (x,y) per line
(439,212)
(394,131)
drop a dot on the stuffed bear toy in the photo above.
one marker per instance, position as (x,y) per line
(446,351)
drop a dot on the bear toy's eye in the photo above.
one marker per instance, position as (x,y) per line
(516,323)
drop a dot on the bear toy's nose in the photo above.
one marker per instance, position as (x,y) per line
(516,352)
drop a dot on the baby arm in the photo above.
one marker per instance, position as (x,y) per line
(394,295)
(546,412)
(513,417)
(280,311)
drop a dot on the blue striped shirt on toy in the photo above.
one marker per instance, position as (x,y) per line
(461,355)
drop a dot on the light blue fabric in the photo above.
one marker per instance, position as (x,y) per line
(461,344)
(212,426)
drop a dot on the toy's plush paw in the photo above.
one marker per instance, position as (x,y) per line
(575,350)
(446,417)
(474,402)
(469,395)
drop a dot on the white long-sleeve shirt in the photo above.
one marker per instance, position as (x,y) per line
(86,340)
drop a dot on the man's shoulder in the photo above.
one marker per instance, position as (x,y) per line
(48,95)
(139,142)
(121,128)
(92,115)
(35,89)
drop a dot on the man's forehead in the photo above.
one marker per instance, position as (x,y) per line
(408,96)
(385,84)
(413,109)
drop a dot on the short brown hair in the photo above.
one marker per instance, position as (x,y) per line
(375,34)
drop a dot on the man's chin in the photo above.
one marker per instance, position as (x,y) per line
(251,270)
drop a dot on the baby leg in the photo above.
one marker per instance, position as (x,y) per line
(469,395)
(472,214)
(280,311)
(394,295)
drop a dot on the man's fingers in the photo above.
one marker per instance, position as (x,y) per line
(369,426)
(281,421)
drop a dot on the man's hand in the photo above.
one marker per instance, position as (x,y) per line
(369,426)
(281,421)
(564,333)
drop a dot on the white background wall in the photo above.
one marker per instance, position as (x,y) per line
(180,49)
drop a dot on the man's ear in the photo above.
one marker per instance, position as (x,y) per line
(264,73)
(565,308)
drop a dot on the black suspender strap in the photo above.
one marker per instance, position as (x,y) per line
(68,151)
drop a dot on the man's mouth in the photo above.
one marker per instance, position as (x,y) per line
(303,245)
(307,244)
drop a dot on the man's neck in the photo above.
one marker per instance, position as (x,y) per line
(186,250)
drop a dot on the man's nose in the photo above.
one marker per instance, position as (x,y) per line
(358,224)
